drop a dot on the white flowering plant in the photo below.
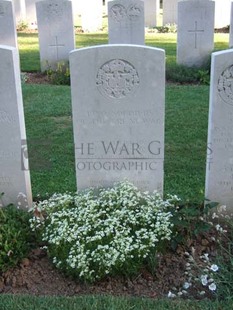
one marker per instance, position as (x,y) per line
(113,231)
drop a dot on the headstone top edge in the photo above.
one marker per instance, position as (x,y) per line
(108,46)
(8,47)
(223,52)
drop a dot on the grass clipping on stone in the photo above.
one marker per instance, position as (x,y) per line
(113,232)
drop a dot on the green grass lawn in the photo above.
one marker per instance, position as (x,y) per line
(8,302)
(29,45)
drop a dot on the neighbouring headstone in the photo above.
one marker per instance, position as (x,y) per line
(31,13)
(126,22)
(92,11)
(20,11)
(219,170)
(8,34)
(231,27)
(56,32)
(151,8)
(118,115)
(195,32)
(222,13)
(14,169)
(170,12)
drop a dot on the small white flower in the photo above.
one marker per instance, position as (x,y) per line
(171,295)
(204,280)
(202,293)
(186,285)
(214,267)
(212,287)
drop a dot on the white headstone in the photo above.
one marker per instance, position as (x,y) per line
(219,170)
(231,27)
(118,115)
(126,22)
(20,10)
(170,12)
(8,34)
(31,13)
(222,13)
(14,170)
(151,8)
(92,11)
(195,32)
(56,32)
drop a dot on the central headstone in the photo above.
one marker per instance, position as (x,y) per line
(8,34)
(56,32)
(118,115)
(14,169)
(126,22)
(195,32)
(219,170)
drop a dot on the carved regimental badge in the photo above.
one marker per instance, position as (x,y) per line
(117,79)
(225,85)
(119,12)
(54,9)
(134,12)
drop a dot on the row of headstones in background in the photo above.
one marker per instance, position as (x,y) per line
(92,18)
(221,17)
(14,171)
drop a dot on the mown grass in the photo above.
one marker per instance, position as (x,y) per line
(29,45)
(13,302)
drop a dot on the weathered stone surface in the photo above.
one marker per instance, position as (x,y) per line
(14,168)
(126,22)
(219,170)
(8,34)
(195,32)
(118,115)
(56,32)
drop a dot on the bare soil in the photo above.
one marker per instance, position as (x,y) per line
(36,275)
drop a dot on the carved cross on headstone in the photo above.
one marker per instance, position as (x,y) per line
(57,45)
(196,32)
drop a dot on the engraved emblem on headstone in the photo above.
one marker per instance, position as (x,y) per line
(134,11)
(54,9)
(118,12)
(225,85)
(2,11)
(117,78)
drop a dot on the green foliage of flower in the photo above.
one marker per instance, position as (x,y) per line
(90,235)
(22,25)
(15,236)
(61,75)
